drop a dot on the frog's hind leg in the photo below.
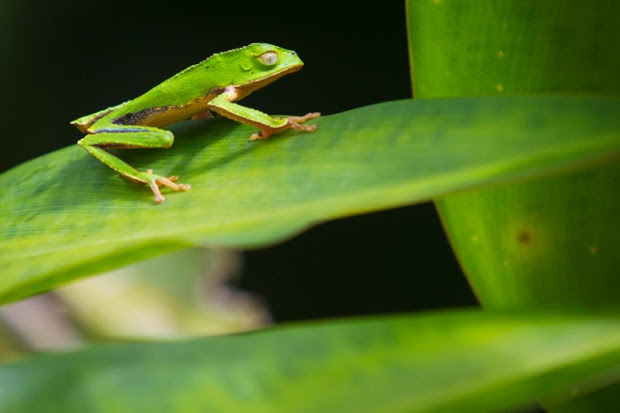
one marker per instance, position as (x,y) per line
(133,137)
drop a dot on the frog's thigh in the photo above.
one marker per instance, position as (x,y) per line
(128,138)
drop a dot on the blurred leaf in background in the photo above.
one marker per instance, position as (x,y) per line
(176,295)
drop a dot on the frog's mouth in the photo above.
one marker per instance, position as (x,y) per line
(246,89)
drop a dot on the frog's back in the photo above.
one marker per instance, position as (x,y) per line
(175,99)
(188,92)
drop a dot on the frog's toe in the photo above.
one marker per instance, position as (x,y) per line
(297,121)
(305,128)
(156,181)
(306,117)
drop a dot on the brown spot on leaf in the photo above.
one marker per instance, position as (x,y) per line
(524,237)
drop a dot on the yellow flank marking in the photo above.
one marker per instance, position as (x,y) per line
(593,249)
(179,113)
(474,238)
(500,54)
(500,87)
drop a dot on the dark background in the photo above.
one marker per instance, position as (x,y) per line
(64,59)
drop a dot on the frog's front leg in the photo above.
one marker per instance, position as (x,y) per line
(132,137)
(223,104)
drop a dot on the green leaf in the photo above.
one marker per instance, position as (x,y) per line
(463,48)
(66,215)
(548,242)
(465,361)
(553,246)
(544,243)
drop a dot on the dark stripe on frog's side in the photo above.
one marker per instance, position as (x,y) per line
(165,115)
(137,118)
(124,130)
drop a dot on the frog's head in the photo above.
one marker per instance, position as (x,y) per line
(262,63)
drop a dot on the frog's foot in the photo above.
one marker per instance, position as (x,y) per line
(156,181)
(301,119)
(294,122)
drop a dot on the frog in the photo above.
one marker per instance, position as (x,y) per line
(204,90)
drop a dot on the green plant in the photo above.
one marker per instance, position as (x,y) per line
(493,164)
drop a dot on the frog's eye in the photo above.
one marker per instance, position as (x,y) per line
(269,58)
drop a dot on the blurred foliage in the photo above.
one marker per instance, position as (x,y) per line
(172,296)
(446,361)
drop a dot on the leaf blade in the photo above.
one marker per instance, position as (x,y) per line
(461,360)
(65,213)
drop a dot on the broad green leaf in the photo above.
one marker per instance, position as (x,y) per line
(554,241)
(465,361)
(66,215)
(532,242)
(544,236)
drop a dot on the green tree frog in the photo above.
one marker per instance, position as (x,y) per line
(212,85)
